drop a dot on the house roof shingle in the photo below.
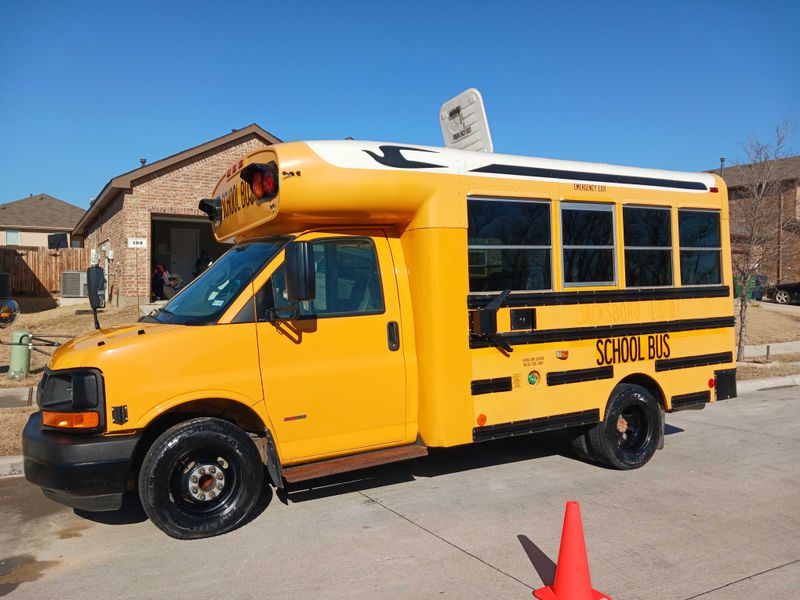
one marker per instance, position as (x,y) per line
(784,168)
(125,181)
(41,211)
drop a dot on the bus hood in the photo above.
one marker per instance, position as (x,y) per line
(86,350)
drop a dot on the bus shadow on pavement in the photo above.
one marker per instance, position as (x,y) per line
(440,461)
(132,511)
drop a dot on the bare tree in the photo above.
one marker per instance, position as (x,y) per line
(757,217)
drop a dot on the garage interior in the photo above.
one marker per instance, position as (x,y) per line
(178,241)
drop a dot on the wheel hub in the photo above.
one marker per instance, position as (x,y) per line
(205,482)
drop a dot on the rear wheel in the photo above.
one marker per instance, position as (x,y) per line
(631,432)
(782,297)
(200,478)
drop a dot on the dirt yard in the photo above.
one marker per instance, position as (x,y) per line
(771,323)
(66,321)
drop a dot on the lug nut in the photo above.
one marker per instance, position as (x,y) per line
(219,486)
(202,470)
(194,478)
(220,476)
(194,490)
(212,470)
(202,496)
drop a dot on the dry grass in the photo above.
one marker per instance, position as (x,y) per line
(765,326)
(779,365)
(778,369)
(69,321)
(12,422)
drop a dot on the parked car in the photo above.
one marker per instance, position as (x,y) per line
(784,293)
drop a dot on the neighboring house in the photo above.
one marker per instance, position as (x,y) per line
(780,253)
(150,215)
(28,222)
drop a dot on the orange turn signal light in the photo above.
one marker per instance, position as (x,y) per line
(71,420)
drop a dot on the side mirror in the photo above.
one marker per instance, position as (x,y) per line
(96,282)
(8,312)
(301,279)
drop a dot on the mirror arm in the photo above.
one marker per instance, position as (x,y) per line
(487,322)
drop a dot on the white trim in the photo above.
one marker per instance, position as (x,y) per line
(352,154)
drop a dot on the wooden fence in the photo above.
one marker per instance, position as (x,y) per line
(36,272)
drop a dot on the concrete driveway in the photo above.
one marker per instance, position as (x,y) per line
(715,515)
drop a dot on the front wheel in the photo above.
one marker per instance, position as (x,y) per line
(631,432)
(782,297)
(200,478)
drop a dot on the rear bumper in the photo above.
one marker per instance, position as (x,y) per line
(88,472)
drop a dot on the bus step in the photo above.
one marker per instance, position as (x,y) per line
(352,463)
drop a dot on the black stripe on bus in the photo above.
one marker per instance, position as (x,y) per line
(538,425)
(687,362)
(587,176)
(683,401)
(601,296)
(604,331)
(489,386)
(578,375)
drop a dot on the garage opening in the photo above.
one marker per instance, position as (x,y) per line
(178,243)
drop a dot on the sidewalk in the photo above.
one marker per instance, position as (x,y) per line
(778,348)
(13,397)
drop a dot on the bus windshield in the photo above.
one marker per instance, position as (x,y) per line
(204,300)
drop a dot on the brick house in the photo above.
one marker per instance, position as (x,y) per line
(150,215)
(28,222)
(781,252)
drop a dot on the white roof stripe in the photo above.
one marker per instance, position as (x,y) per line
(353,154)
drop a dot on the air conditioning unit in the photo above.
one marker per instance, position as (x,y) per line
(73,284)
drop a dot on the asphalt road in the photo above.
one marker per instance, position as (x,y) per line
(714,515)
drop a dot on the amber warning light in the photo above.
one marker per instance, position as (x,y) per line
(70,420)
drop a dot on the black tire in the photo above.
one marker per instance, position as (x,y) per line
(225,466)
(631,432)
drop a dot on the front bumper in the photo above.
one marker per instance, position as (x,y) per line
(88,472)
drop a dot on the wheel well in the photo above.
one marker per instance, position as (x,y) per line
(649,384)
(234,412)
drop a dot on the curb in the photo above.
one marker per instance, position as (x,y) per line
(11,466)
(746,386)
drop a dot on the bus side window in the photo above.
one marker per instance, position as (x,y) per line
(648,246)
(509,244)
(701,251)
(587,241)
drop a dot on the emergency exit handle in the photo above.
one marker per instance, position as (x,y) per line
(393,331)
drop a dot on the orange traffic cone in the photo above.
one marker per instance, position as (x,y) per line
(572,571)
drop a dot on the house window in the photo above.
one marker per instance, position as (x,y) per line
(12,237)
(508,245)
(587,238)
(701,252)
(648,246)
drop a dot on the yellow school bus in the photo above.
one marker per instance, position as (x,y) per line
(382,299)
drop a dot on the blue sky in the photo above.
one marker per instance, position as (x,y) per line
(86,89)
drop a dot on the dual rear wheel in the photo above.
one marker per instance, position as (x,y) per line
(630,433)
